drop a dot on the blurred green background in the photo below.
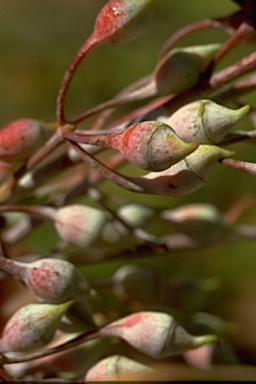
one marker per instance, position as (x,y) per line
(37,41)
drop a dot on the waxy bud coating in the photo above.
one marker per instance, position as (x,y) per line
(150,145)
(121,21)
(113,366)
(32,327)
(154,333)
(21,138)
(79,224)
(186,176)
(51,280)
(180,68)
(205,121)
(153,145)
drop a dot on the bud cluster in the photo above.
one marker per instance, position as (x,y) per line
(110,294)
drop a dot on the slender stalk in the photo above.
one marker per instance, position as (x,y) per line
(243,31)
(80,339)
(115,177)
(45,213)
(240,165)
(87,47)
(187,30)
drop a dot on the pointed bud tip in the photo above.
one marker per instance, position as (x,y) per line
(199,341)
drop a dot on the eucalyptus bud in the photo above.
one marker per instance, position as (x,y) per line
(112,367)
(51,280)
(151,145)
(136,214)
(32,327)
(204,223)
(121,21)
(186,176)
(79,224)
(21,138)
(154,333)
(205,121)
(180,68)
(138,284)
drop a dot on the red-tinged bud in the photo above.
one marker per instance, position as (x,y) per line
(112,367)
(121,21)
(150,145)
(51,280)
(21,138)
(32,327)
(79,224)
(154,333)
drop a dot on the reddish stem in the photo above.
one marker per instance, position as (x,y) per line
(240,165)
(187,30)
(241,33)
(88,46)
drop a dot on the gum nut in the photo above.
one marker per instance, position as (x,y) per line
(154,333)
(79,224)
(56,281)
(205,121)
(180,68)
(21,138)
(32,327)
(113,366)
(121,21)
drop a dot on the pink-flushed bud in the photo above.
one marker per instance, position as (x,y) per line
(205,121)
(121,21)
(79,224)
(50,280)
(21,138)
(138,284)
(150,145)
(156,334)
(32,327)
(202,222)
(186,176)
(112,367)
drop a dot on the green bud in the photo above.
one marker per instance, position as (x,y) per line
(180,68)
(32,327)
(204,121)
